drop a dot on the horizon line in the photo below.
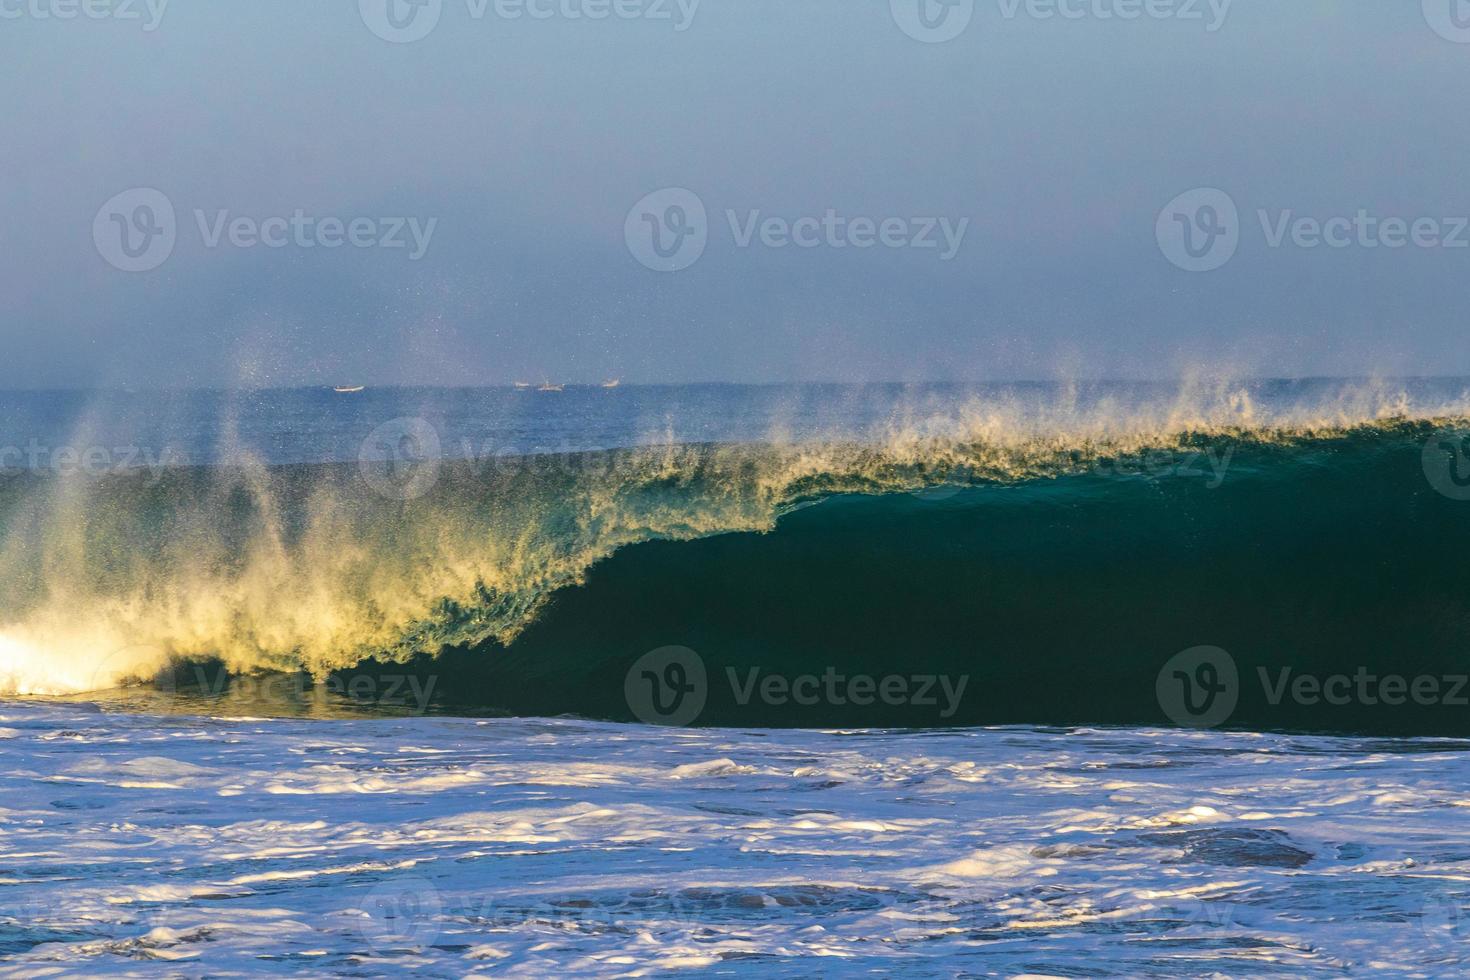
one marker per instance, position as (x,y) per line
(598,385)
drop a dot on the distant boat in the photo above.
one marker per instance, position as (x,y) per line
(612,382)
(548,386)
(522,385)
(348,389)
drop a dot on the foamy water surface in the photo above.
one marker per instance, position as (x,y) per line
(454,847)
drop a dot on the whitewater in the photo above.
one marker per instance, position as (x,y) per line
(140,845)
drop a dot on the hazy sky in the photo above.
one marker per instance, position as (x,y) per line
(519,146)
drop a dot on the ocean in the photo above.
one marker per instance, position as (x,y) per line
(1065,679)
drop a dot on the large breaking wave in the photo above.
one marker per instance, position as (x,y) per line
(1066,553)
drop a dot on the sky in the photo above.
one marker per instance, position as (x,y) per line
(460,192)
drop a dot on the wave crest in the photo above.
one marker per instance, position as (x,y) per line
(308,567)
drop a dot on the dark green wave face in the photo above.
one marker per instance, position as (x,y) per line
(1249,577)
(1329,572)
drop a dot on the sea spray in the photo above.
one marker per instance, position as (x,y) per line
(109,575)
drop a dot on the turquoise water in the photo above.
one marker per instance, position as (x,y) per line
(766,556)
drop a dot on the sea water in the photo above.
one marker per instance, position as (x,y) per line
(944,680)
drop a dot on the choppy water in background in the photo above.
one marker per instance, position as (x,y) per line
(137,844)
(285,426)
(317,425)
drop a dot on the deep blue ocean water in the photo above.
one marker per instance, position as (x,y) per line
(306,425)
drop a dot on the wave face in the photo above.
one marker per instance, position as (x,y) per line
(1054,561)
(1054,600)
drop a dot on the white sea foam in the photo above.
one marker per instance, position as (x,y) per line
(1006,852)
